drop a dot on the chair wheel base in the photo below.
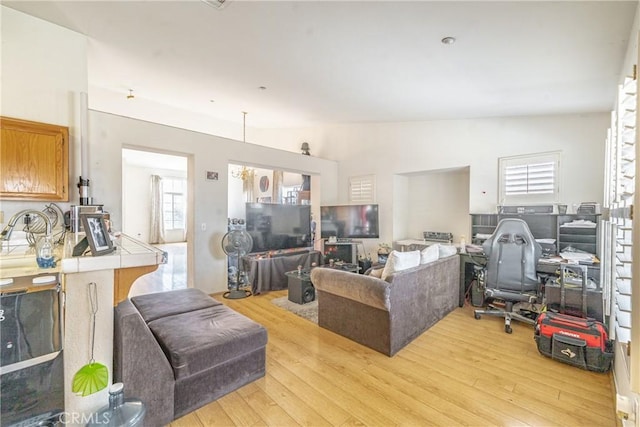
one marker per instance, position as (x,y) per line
(507,329)
(477,316)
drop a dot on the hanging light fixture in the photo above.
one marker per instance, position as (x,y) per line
(243,172)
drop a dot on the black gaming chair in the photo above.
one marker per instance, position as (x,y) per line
(510,273)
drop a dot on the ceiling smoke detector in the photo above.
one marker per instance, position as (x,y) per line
(448,40)
(218,4)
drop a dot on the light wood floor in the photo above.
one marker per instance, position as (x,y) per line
(462,371)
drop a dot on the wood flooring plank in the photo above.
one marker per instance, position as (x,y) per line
(561,414)
(363,407)
(238,411)
(316,401)
(189,420)
(446,381)
(268,410)
(461,371)
(559,376)
(296,407)
(213,415)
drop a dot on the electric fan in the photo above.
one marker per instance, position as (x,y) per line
(236,244)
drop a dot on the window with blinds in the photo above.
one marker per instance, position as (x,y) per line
(529,179)
(620,196)
(362,189)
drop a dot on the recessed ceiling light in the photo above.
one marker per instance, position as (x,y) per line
(448,40)
(212,100)
(262,87)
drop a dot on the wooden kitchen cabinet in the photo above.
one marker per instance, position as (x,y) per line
(35,161)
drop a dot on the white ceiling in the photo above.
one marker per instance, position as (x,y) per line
(358,61)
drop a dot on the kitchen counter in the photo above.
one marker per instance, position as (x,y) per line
(20,260)
(128,253)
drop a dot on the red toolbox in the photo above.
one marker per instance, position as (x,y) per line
(578,341)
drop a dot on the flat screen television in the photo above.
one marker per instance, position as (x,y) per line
(349,221)
(277,227)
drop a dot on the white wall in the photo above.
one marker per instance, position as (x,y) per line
(388,149)
(439,201)
(44,70)
(109,133)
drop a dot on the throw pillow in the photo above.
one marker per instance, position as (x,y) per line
(447,250)
(399,261)
(429,254)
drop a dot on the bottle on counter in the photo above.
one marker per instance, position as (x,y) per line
(44,252)
(463,245)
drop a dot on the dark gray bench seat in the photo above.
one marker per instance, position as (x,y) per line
(179,350)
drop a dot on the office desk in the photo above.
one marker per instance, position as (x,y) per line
(469,259)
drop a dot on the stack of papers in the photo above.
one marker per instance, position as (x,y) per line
(580,223)
(579,257)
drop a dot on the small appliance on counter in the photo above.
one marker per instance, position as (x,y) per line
(77,210)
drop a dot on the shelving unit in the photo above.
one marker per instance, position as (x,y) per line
(482,224)
(546,226)
(585,238)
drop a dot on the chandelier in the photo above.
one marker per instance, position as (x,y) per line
(241,172)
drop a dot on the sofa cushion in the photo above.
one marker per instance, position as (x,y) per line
(429,254)
(198,340)
(399,261)
(447,250)
(163,304)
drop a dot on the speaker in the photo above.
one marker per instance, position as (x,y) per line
(301,291)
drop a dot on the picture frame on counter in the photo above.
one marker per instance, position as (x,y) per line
(97,234)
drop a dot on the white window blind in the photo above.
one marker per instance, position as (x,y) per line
(529,179)
(621,192)
(620,195)
(362,189)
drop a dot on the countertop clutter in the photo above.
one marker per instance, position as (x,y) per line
(20,260)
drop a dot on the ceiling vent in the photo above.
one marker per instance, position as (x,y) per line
(218,4)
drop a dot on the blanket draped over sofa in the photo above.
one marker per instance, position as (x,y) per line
(386,315)
(179,350)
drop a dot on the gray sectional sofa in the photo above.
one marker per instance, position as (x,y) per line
(386,315)
(178,350)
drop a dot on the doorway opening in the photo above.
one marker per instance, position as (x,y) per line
(155,209)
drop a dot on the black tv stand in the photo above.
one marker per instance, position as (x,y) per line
(345,250)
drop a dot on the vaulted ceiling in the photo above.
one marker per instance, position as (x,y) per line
(353,61)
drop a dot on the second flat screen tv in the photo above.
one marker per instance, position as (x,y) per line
(349,221)
(276,227)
